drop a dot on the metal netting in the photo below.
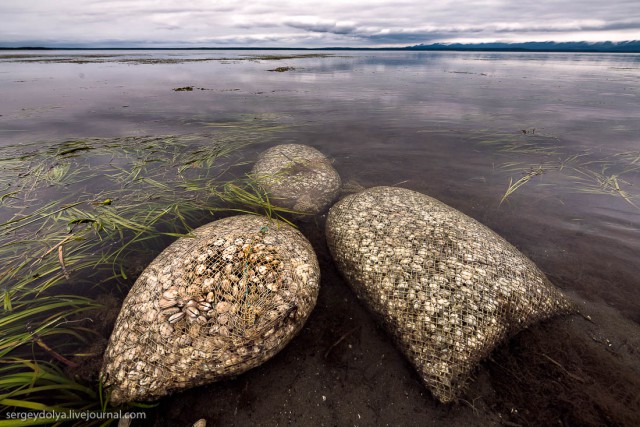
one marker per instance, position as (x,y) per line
(447,288)
(210,307)
(297,177)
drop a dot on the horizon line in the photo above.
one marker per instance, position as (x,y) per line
(579,46)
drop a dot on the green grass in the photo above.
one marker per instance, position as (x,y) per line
(74,218)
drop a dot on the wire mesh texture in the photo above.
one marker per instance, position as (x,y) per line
(210,307)
(297,177)
(447,288)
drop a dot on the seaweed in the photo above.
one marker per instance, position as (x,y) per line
(82,217)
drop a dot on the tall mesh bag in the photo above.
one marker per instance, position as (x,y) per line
(210,307)
(447,288)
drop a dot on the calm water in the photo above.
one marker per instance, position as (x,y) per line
(447,124)
(457,126)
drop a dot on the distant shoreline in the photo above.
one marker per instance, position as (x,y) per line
(547,47)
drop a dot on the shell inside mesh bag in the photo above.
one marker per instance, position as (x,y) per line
(447,288)
(298,177)
(210,307)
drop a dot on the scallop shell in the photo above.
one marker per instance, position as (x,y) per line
(446,287)
(188,333)
(298,177)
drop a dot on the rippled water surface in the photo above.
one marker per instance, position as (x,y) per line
(448,124)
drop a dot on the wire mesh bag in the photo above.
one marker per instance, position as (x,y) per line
(297,177)
(447,288)
(210,307)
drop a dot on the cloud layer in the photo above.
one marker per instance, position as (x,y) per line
(261,23)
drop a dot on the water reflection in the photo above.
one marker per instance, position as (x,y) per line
(436,122)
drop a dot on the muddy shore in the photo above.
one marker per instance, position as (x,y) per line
(343,369)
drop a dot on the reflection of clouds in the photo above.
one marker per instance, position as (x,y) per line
(386,117)
(516,90)
(306,77)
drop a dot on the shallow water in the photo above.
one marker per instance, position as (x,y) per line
(428,120)
(456,126)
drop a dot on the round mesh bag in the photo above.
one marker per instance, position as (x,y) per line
(210,307)
(447,288)
(297,177)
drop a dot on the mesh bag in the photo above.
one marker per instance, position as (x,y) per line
(210,307)
(297,177)
(447,288)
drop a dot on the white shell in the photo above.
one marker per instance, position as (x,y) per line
(446,287)
(297,177)
(203,332)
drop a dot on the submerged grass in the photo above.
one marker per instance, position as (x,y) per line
(586,172)
(74,218)
(30,383)
(513,186)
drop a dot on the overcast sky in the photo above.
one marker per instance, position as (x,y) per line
(350,23)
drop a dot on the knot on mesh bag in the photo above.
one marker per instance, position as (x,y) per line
(447,288)
(210,307)
(297,177)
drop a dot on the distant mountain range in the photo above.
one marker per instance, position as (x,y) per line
(632,46)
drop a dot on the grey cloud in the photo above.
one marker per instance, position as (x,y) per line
(169,27)
(406,38)
(253,25)
(624,26)
(267,40)
(323,27)
(578,26)
(314,23)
